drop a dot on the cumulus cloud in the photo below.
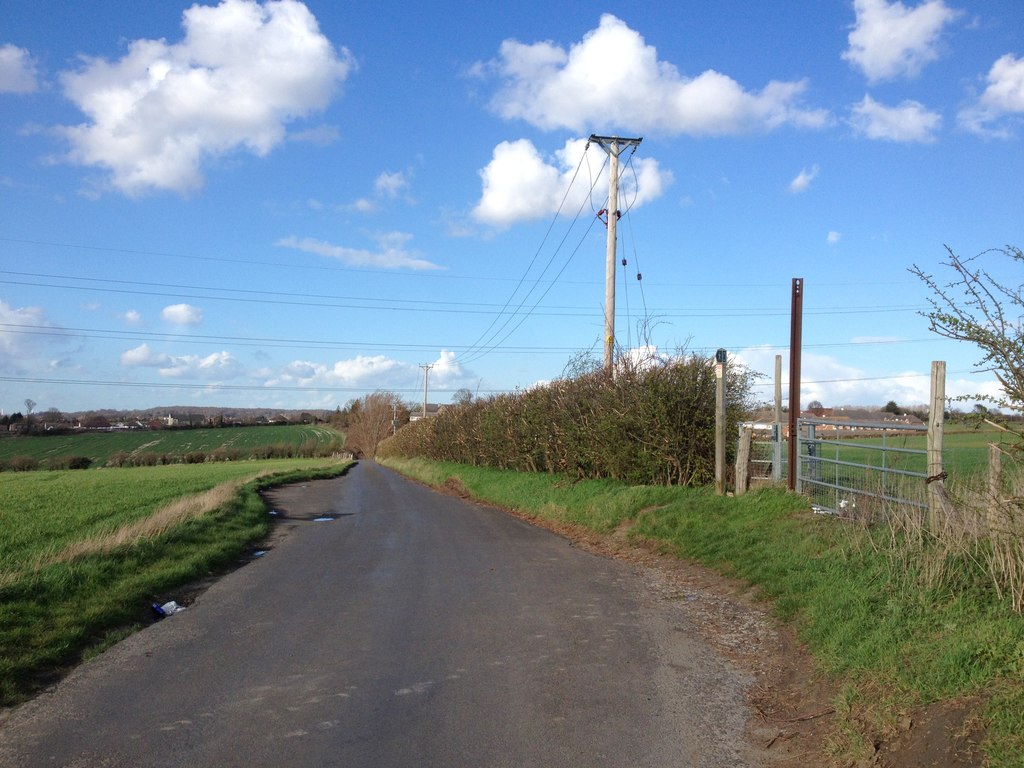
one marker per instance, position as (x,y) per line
(890,40)
(613,79)
(132,317)
(520,184)
(909,122)
(833,237)
(217,366)
(372,372)
(17,70)
(803,179)
(833,383)
(182,314)
(1003,96)
(242,71)
(143,357)
(391,253)
(17,347)
(391,184)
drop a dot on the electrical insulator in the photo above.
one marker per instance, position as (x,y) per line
(623,262)
(639,276)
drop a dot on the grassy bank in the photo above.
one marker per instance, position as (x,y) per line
(82,554)
(857,599)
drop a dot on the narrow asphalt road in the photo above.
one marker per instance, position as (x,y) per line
(410,629)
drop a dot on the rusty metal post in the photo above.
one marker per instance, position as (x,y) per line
(795,342)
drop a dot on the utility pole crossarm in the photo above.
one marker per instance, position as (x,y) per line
(613,145)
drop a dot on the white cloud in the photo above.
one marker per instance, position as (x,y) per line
(182,314)
(519,184)
(391,184)
(132,317)
(320,136)
(833,383)
(390,255)
(216,366)
(242,71)
(803,179)
(16,348)
(891,40)
(909,122)
(143,357)
(833,237)
(370,372)
(1003,96)
(613,80)
(17,70)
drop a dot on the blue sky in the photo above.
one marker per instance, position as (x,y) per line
(290,205)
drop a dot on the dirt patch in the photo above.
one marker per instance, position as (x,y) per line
(944,734)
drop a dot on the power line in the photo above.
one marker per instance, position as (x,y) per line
(431,275)
(245,341)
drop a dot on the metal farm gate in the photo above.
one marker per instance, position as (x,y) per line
(846,467)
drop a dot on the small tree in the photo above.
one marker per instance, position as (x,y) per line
(462,396)
(370,421)
(978,307)
(892,408)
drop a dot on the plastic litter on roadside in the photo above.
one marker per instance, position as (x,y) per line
(322,519)
(167,609)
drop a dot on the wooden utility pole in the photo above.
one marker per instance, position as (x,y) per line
(426,370)
(796,322)
(613,145)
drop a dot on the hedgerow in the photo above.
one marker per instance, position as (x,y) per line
(653,422)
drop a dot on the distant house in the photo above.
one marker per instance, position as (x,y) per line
(432,410)
(858,417)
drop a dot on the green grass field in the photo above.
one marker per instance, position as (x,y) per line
(101,446)
(83,554)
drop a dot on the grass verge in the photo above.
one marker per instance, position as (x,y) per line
(893,642)
(78,573)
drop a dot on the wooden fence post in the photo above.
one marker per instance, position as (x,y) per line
(936,418)
(743,459)
(995,471)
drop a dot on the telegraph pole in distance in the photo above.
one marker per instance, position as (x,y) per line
(613,145)
(426,371)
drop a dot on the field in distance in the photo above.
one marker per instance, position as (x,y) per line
(101,447)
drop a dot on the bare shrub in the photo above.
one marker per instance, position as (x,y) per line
(23,464)
(120,459)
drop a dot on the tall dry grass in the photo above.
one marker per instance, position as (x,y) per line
(980,530)
(161,521)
